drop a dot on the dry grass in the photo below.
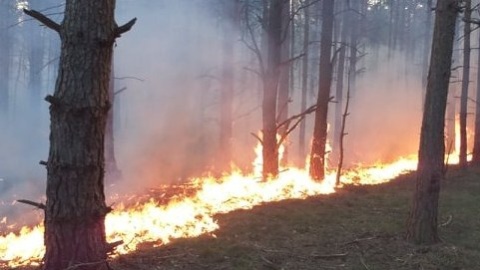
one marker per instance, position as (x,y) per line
(356,228)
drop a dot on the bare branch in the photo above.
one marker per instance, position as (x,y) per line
(330,256)
(125,28)
(43,19)
(300,115)
(255,48)
(38,205)
(287,62)
(298,118)
(111,246)
(247,113)
(119,91)
(257,137)
(252,70)
(129,77)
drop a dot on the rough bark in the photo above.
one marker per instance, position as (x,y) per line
(284,80)
(303,106)
(426,46)
(476,138)
(75,208)
(317,154)
(227,82)
(422,223)
(270,89)
(465,83)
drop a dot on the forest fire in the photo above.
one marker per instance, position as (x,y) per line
(194,215)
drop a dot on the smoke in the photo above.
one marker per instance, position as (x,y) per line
(384,122)
(166,121)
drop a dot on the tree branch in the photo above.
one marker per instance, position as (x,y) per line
(257,137)
(38,205)
(124,28)
(119,91)
(43,19)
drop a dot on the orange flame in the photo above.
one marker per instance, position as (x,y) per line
(193,215)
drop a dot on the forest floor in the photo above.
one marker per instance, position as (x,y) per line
(355,228)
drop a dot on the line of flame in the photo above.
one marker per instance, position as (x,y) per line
(191,216)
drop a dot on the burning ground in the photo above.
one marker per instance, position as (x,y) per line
(309,225)
(358,227)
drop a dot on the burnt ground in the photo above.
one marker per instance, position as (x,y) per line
(356,228)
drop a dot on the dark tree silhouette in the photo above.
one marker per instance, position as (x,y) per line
(75,209)
(465,83)
(270,87)
(422,223)
(317,154)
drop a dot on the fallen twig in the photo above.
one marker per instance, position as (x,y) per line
(359,240)
(269,263)
(111,246)
(330,256)
(449,220)
(274,251)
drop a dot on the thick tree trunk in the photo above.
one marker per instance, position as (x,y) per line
(306,40)
(422,223)
(476,138)
(465,82)
(317,154)
(284,80)
(232,10)
(75,208)
(270,89)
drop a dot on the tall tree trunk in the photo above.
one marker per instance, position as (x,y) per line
(422,223)
(75,208)
(476,138)
(391,21)
(305,59)
(270,89)
(354,24)
(232,9)
(5,52)
(284,81)
(35,59)
(112,173)
(452,100)
(317,154)
(427,44)
(339,86)
(465,82)
(396,22)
